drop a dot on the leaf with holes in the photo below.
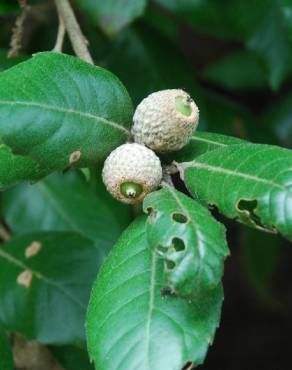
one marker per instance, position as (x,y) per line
(15,168)
(191,242)
(45,281)
(61,111)
(202,142)
(6,362)
(133,322)
(249,182)
(45,206)
(113,15)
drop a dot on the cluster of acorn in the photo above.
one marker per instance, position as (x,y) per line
(163,122)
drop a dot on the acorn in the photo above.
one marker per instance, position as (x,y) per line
(165,120)
(130,172)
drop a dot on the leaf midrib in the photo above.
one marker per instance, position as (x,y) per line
(184,209)
(14,261)
(196,138)
(46,191)
(151,305)
(67,111)
(225,171)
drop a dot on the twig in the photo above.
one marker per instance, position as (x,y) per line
(167,171)
(4,233)
(17,32)
(60,37)
(167,180)
(170,169)
(78,41)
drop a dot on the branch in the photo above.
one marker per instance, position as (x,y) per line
(167,171)
(60,37)
(170,169)
(17,32)
(78,41)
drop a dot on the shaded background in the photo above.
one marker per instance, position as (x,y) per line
(235,59)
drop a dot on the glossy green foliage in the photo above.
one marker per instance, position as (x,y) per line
(264,27)
(15,168)
(6,362)
(271,31)
(261,257)
(45,281)
(225,116)
(61,111)
(155,64)
(286,9)
(278,118)
(133,322)
(215,18)
(65,202)
(190,241)
(224,72)
(112,15)
(202,142)
(157,299)
(249,182)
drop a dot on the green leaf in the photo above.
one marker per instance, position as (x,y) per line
(45,281)
(278,119)
(61,111)
(271,42)
(226,116)
(202,142)
(286,9)
(190,241)
(239,70)
(153,61)
(162,22)
(64,203)
(15,168)
(134,323)
(235,21)
(261,259)
(72,358)
(6,8)
(6,361)
(250,182)
(113,15)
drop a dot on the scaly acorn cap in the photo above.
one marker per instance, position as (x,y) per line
(165,120)
(130,172)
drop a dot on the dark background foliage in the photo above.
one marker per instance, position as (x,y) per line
(235,58)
